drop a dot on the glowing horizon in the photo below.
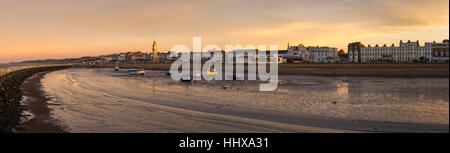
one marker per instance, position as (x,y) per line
(48,29)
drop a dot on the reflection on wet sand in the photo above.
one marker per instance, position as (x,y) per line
(91,99)
(342,90)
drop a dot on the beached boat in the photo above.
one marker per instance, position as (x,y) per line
(212,72)
(136,71)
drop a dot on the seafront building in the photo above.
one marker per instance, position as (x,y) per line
(323,54)
(299,52)
(246,58)
(410,51)
(438,51)
(134,57)
(313,54)
(354,51)
(342,56)
(405,52)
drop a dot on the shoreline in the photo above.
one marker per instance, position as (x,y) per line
(331,70)
(161,114)
(42,122)
(11,94)
(36,103)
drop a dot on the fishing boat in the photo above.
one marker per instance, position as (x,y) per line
(135,71)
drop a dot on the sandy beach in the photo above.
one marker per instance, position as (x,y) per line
(99,100)
(36,103)
(187,121)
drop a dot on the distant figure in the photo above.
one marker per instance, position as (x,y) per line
(334,102)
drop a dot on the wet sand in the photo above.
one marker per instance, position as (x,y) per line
(36,103)
(337,70)
(101,100)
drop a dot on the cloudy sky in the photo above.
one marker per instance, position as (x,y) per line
(40,29)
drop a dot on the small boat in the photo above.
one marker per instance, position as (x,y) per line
(212,72)
(116,68)
(136,71)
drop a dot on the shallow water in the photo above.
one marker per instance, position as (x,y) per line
(101,100)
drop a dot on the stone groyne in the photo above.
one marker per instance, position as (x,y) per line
(11,94)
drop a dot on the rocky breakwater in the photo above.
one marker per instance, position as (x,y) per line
(11,95)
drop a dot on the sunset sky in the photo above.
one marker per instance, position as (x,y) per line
(41,29)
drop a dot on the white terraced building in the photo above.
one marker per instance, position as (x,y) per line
(313,54)
(405,52)
(438,51)
(299,51)
(323,54)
